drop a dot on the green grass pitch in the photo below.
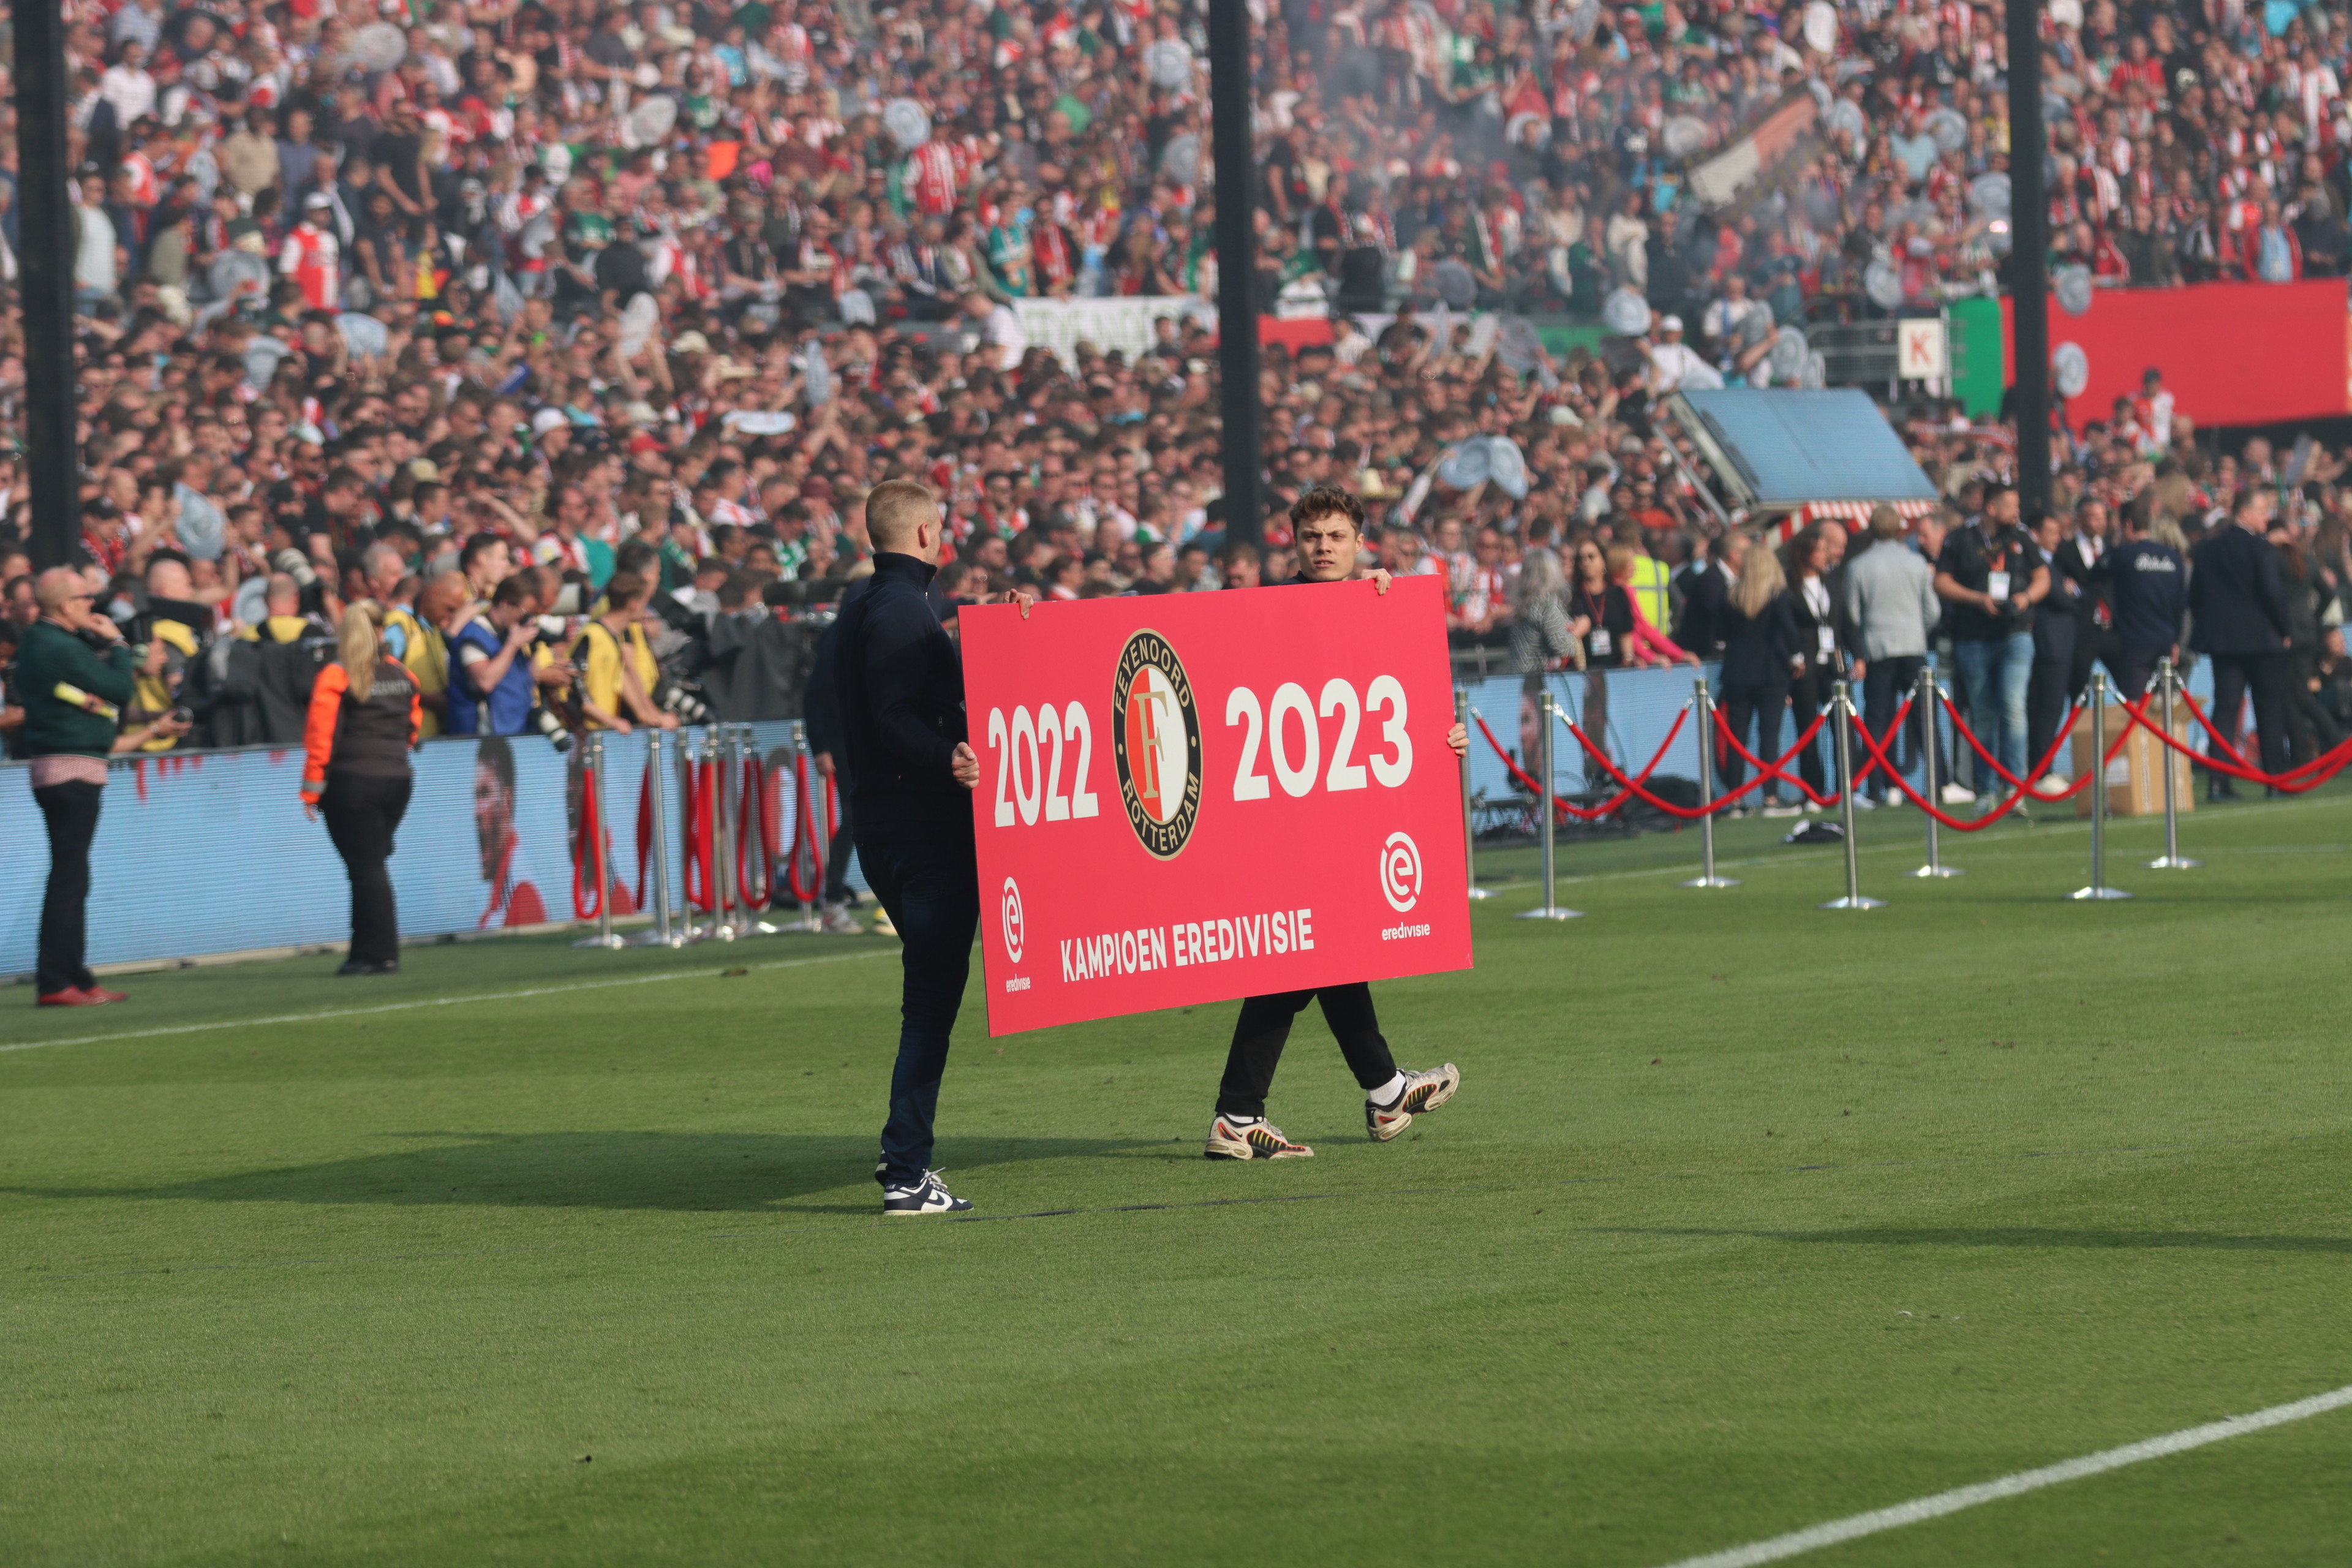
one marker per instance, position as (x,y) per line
(1747,1217)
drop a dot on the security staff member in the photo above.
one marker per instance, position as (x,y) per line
(1327,525)
(2148,584)
(75,673)
(2237,597)
(904,747)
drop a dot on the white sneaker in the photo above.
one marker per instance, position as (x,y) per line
(838,922)
(1251,1138)
(926,1196)
(1781,808)
(1864,803)
(1422,1091)
(882,926)
(1958,794)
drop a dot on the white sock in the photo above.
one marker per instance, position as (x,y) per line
(1232,1121)
(1387,1093)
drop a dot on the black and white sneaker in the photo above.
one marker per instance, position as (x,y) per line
(925,1197)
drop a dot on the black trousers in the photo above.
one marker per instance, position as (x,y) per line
(932,894)
(1807,695)
(362,812)
(836,859)
(70,812)
(2050,690)
(2268,677)
(1884,686)
(1762,701)
(1264,1027)
(2134,671)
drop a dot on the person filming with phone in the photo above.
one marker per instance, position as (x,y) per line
(76,673)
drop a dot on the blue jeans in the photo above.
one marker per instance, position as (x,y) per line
(1996,676)
(932,892)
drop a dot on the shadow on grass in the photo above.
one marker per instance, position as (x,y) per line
(747,1173)
(2013,1236)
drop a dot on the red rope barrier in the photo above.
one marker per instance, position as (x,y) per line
(2016,797)
(1533,785)
(752,839)
(808,845)
(645,828)
(587,845)
(701,857)
(2309,775)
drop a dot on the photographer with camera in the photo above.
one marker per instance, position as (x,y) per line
(74,672)
(363,721)
(617,669)
(490,685)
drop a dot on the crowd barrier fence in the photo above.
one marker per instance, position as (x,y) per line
(200,853)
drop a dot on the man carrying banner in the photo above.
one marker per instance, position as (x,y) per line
(899,688)
(1327,525)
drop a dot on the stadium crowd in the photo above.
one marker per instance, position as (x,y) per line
(523,319)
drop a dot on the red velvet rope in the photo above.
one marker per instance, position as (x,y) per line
(645,828)
(807,842)
(587,846)
(2016,797)
(1528,782)
(2310,776)
(701,855)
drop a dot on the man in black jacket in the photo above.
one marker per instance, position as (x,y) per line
(2077,562)
(1702,586)
(897,683)
(2238,601)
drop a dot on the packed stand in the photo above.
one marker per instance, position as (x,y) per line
(575,335)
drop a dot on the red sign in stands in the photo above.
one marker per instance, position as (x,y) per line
(1190,797)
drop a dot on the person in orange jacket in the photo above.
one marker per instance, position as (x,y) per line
(364,713)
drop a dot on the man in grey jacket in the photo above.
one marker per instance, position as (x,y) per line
(1890,600)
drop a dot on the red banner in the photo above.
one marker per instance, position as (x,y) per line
(2231,353)
(1197,796)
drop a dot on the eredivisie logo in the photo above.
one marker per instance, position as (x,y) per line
(1157,742)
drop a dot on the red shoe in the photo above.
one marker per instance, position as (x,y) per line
(100,993)
(71,996)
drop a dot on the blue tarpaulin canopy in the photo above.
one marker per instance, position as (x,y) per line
(1776,448)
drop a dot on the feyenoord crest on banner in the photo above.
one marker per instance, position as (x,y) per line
(1157,744)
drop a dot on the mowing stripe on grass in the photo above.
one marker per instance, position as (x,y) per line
(433,1001)
(1918,1509)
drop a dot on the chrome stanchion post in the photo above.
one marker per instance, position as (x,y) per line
(1469,821)
(1703,705)
(2167,677)
(722,833)
(808,813)
(1841,715)
(2098,888)
(1550,909)
(1924,700)
(661,932)
(592,808)
(690,758)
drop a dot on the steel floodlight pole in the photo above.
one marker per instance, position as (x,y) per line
(46,257)
(1230,92)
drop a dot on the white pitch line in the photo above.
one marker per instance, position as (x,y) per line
(1918,1509)
(431,1002)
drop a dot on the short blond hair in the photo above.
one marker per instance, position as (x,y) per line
(895,510)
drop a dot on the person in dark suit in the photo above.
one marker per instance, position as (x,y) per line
(2056,621)
(1811,563)
(2237,602)
(2077,561)
(1762,653)
(1700,587)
